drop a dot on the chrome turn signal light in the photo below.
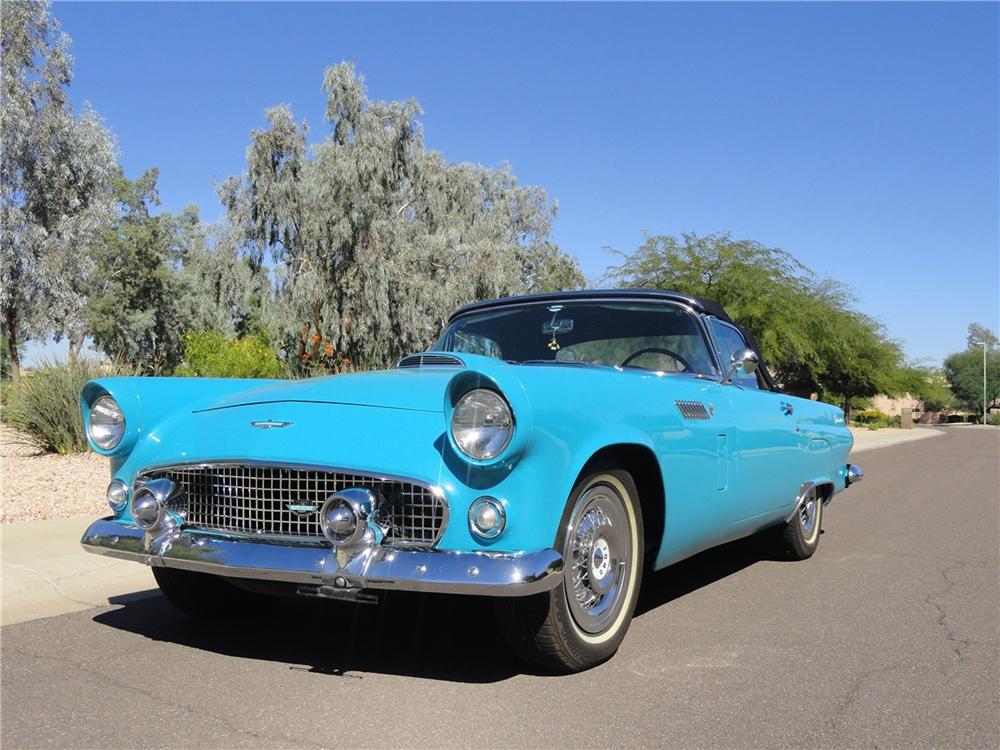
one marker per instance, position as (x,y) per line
(487,517)
(117,495)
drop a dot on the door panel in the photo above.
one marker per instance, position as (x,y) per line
(765,453)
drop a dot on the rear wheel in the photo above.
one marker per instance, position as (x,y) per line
(205,596)
(799,538)
(581,622)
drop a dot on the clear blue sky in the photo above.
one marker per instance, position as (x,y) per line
(862,138)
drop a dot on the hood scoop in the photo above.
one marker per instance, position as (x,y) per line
(430,359)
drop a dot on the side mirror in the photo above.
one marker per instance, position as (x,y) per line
(744,362)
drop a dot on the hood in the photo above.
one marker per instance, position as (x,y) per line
(415,389)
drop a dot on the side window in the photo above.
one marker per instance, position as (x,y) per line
(731,340)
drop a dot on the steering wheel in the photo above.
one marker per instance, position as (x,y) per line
(656,350)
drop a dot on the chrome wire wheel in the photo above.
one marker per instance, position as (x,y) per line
(599,558)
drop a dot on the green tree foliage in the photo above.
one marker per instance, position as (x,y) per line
(374,239)
(156,278)
(209,354)
(809,334)
(55,172)
(136,309)
(964,371)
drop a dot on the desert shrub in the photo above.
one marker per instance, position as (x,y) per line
(45,405)
(894,421)
(993,419)
(6,390)
(869,416)
(209,354)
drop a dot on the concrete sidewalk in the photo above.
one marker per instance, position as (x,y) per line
(865,439)
(45,571)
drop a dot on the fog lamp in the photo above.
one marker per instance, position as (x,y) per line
(487,517)
(147,511)
(338,520)
(117,495)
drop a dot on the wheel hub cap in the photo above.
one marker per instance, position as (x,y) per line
(807,517)
(598,558)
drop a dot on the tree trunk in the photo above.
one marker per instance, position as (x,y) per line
(847,411)
(15,358)
(76,346)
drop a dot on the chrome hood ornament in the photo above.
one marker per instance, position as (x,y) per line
(267,424)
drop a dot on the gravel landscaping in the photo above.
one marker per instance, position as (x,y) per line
(35,486)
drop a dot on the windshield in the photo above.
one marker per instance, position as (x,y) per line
(660,337)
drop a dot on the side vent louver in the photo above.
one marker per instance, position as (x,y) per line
(692,409)
(430,360)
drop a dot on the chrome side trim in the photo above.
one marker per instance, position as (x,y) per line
(368,567)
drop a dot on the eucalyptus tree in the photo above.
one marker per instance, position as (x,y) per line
(372,238)
(55,172)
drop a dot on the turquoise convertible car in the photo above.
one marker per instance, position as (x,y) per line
(545,452)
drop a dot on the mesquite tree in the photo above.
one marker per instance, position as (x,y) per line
(56,170)
(373,239)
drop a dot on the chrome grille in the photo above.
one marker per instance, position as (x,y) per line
(255,499)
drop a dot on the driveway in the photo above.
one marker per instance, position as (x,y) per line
(887,636)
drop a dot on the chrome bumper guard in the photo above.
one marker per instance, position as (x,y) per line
(365,567)
(854,475)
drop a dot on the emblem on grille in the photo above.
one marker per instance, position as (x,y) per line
(303,509)
(267,424)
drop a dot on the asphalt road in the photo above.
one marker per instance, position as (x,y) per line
(888,636)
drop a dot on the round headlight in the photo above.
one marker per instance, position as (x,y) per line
(482,424)
(107,423)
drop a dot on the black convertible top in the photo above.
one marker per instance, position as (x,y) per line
(701,305)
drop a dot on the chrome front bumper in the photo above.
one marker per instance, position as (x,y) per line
(366,567)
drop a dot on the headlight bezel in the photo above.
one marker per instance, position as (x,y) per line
(459,411)
(106,403)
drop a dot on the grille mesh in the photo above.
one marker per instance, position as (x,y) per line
(254,500)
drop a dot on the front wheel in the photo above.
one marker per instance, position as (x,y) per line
(581,622)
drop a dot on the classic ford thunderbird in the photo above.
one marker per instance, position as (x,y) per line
(546,451)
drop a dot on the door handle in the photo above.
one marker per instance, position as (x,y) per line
(786,408)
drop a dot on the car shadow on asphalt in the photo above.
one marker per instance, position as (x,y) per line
(431,636)
(663,586)
(453,638)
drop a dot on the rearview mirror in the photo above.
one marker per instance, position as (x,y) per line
(560,325)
